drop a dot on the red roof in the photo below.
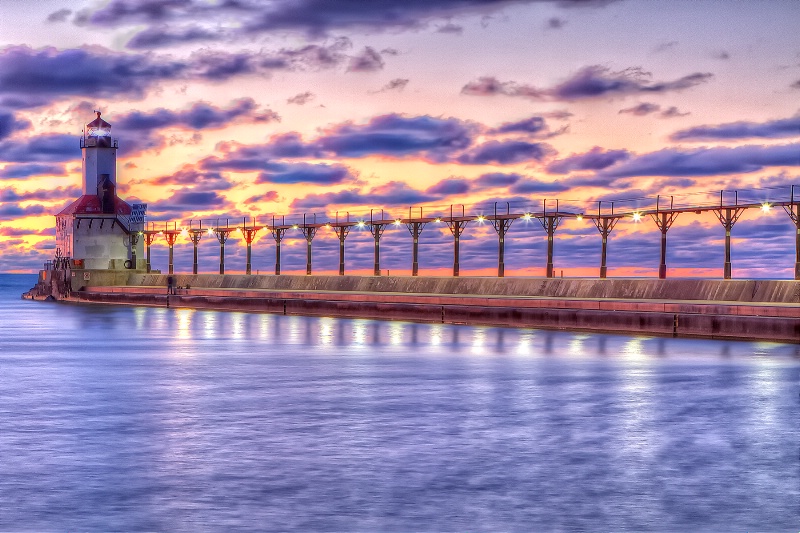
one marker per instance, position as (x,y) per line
(89,204)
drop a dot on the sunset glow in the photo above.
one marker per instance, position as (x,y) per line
(262,110)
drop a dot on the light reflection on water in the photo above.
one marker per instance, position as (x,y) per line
(120,418)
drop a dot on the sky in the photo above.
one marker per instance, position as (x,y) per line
(226,109)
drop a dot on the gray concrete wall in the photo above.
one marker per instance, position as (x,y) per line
(775,291)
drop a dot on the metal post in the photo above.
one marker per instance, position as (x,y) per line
(309,233)
(195,237)
(501,227)
(277,234)
(222,236)
(377,232)
(796,241)
(415,228)
(793,210)
(550,224)
(728,217)
(249,234)
(664,221)
(456,228)
(604,225)
(149,237)
(341,232)
(171,237)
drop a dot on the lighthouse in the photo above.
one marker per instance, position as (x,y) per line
(99,230)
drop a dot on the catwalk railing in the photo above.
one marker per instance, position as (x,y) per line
(663,210)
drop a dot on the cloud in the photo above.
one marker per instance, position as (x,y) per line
(293,173)
(301,98)
(645,108)
(796,85)
(397,84)
(39,195)
(199,115)
(30,77)
(449,186)
(13,211)
(528,186)
(398,136)
(9,124)
(672,112)
(190,176)
(594,159)
(555,23)
(190,200)
(496,179)
(53,148)
(504,153)
(453,29)
(593,81)
(529,125)
(772,129)
(368,61)
(26,170)
(394,193)
(162,35)
(663,47)
(269,196)
(59,16)
(707,161)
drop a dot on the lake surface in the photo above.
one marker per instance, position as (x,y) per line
(123,418)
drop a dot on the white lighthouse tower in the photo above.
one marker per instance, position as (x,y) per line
(96,230)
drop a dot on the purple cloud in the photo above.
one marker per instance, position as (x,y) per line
(594,81)
(529,125)
(772,129)
(53,148)
(398,136)
(292,173)
(449,186)
(707,161)
(59,16)
(555,23)
(504,153)
(594,159)
(391,194)
(9,124)
(496,179)
(301,98)
(640,110)
(397,84)
(162,35)
(39,195)
(450,28)
(26,170)
(528,186)
(199,115)
(368,61)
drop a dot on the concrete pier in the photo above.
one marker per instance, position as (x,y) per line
(731,309)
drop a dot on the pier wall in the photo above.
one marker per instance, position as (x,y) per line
(729,309)
(772,291)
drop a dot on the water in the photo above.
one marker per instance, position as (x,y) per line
(121,418)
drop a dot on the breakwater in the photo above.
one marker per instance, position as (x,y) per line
(737,309)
